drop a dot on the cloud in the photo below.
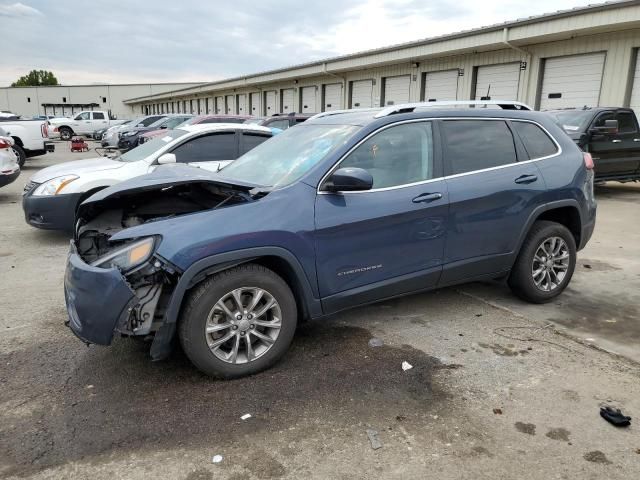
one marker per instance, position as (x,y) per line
(18,10)
(124,41)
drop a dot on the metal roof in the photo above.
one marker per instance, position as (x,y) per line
(591,8)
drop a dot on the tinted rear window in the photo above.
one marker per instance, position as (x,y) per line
(477,144)
(536,142)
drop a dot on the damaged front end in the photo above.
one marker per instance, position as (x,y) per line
(124,286)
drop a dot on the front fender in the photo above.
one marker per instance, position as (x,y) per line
(163,339)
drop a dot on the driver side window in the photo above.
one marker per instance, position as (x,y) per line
(83,116)
(396,156)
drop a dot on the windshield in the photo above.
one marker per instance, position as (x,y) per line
(173,122)
(572,120)
(253,121)
(289,155)
(143,151)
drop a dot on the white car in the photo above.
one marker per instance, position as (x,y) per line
(9,168)
(111,137)
(51,197)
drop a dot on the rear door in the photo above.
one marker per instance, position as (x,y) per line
(388,240)
(210,152)
(99,121)
(492,192)
(616,155)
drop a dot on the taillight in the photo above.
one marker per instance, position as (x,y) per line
(43,130)
(588,160)
(4,143)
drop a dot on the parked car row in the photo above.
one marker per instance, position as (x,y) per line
(30,137)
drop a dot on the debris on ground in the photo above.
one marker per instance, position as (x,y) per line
(245,416)
(406,366)
(614,416)
(216,459)
(373,439)
(497,411)
(375,342)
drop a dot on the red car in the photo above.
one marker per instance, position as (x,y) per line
(145,137)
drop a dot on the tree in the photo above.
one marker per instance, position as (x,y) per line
(36,78)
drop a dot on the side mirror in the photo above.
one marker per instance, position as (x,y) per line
(610,128)
(349,179)
(140,125)
(163,127)
(166,158)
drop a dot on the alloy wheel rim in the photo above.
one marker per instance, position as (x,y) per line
(550,264)
(243,325)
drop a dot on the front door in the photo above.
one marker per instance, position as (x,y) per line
(389,240)
(617,154)
(491,194)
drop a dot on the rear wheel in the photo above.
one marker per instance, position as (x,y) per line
(238,322)
(20,153)
(545,264)
(66,133)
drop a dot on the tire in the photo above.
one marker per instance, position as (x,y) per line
(545,264)
(20,153)
(66,133)
(203,309)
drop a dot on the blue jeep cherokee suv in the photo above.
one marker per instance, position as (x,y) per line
(346,209)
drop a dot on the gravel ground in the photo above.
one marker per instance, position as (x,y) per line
(498,389)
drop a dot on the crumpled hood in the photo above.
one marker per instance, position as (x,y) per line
(76,167)
(165,176)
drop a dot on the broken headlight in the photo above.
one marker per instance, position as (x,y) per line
(129,256)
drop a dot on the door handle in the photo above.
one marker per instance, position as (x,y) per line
(427,197)
(617,140)
(636,139)
(526,179)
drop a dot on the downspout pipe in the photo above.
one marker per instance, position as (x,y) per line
(527,55)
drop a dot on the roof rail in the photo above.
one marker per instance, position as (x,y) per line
(410,107)
(338,112)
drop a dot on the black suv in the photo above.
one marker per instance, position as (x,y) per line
(280,120)
(612,137)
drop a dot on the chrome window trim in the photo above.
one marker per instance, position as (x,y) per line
(430,119)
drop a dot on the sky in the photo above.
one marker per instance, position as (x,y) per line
(131,41)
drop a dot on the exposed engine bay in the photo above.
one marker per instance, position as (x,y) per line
(154,280)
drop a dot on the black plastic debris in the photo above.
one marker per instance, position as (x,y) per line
(614,416)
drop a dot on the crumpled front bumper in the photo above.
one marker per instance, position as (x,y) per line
(98,299)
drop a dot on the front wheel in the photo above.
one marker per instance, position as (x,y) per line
(20,154)
(238,322)
(545,264)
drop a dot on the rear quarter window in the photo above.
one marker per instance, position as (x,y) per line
(535,140)
(477,145)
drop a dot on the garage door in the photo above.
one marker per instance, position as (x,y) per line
(220,105)
(231,108)
(498,82)
(396,90)
(332,97)
(572,81)
(440,86)
(308,99)
(270,103)
(362,94)
(288,103)
(254,100)
(242,104)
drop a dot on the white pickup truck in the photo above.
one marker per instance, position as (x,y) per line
(84,123)
(30,138)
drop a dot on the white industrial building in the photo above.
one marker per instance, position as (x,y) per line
(584,56)
(65,100)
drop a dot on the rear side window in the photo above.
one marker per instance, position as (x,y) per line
(536,142)
(281,124)
(626,122)
(216,146)
(148,121)
(252,140)
(477,144)
(98,116)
